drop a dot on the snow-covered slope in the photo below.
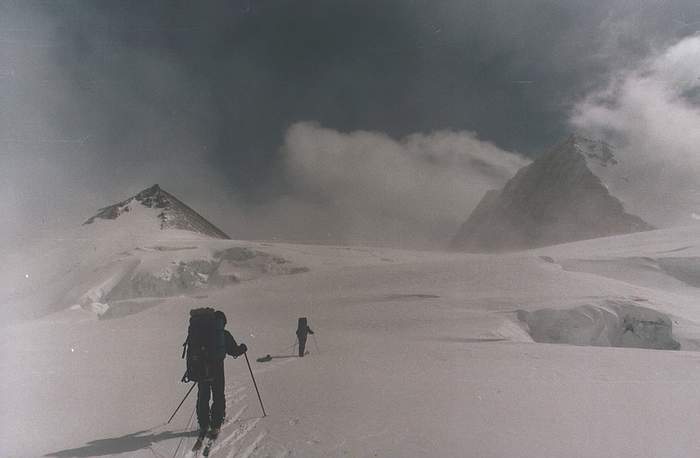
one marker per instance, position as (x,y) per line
(558,198)
(415,354)
(147,251)
(172,213)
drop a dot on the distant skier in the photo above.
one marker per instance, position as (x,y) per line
(208,343)
(303,330)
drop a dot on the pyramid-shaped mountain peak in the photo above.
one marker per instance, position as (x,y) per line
(173,214)
(557,198)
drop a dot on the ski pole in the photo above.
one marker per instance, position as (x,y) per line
(316,344)
(183,400)
(254,384)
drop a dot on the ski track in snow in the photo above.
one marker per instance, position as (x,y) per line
(234,431)
(251,448)
(230,396)
(382,361)
(236,395)
(233,438)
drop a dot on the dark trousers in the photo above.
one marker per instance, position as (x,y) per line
(212,389)
(302,344)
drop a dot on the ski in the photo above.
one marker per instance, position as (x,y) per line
(211,437)
(207,448)
(197,444)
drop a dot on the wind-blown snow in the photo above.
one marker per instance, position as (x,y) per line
(415,354)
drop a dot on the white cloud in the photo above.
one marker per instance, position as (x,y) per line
(652,114)
(371,187)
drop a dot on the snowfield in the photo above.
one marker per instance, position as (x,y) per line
(416,354)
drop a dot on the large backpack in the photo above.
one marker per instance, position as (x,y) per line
(205,344)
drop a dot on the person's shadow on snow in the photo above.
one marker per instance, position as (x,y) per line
(124,444)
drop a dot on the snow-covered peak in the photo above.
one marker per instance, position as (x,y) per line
(171,213)
(596,152)
(561,197)
(584,154)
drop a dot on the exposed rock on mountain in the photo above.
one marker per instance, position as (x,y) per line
(174,213)
(558,198)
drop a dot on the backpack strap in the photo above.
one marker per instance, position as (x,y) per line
(184,346)
(184,378)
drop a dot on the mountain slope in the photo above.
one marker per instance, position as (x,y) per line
(555,199)
(148,246)
(174,214)
(414,354)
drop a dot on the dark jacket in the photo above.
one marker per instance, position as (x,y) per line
(303,328)
(232,348)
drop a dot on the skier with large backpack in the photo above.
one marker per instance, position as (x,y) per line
(206,347)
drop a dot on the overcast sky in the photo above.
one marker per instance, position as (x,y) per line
(231,105)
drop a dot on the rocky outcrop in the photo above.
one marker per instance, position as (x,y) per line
(174,213)
(555,199)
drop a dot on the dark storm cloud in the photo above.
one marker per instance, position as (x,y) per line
(101,98)
(505,69)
